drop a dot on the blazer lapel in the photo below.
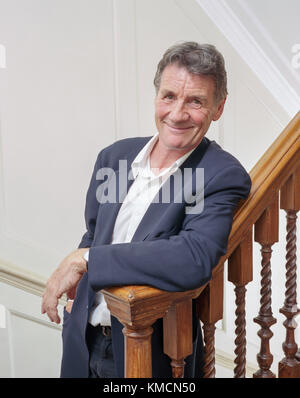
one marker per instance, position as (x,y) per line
(157,213)
(109,211)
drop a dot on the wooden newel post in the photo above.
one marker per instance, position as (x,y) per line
(289,366)
(137,308)
(210,311)
(138,352)
(266,233)
(240,273)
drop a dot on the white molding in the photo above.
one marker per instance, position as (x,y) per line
(266,36)
(10,344)
(14,333)
(250,51)
(2,56)
(31,318)
(2,317)
(23,279)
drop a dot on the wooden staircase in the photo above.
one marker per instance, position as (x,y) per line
(275,184)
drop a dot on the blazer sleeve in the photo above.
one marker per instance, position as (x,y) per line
(183,261)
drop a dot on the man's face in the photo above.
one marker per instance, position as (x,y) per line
(184,108)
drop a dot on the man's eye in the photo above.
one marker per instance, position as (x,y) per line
(169,97)
(196,101)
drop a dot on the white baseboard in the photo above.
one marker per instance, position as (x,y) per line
(225,360)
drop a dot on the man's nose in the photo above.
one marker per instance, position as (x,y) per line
(178,112)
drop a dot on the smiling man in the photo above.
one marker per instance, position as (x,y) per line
(185,106)
(141,241)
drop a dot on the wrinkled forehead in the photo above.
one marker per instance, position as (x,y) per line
(178,78)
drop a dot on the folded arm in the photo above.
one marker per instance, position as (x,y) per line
(182,261)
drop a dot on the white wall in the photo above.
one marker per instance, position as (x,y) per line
(77,78)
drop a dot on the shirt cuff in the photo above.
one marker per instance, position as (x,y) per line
(86,256)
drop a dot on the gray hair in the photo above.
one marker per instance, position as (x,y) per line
(197,59)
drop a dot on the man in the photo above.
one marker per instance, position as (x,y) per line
(140,239)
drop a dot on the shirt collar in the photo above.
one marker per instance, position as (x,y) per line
(141,163)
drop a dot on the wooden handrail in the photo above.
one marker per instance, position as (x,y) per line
(268,175)
(126,301)
(137,307)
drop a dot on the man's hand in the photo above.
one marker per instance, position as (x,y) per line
(63,280)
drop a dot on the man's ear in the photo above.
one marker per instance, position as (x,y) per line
(219,110)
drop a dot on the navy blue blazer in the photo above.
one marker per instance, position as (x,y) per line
(171,250)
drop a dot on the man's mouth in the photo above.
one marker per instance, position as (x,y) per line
(178,129)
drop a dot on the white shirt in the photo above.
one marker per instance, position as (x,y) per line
(140,195)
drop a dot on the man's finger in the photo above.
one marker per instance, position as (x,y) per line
(49,306)
(72,293)
(53,315)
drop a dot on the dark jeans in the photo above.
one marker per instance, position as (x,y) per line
(101,354)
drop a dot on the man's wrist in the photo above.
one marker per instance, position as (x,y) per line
(84,252)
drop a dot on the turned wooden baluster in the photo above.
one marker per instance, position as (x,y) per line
(289,366)
(210,310)
(178,335)
(266,233)
(240,273)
